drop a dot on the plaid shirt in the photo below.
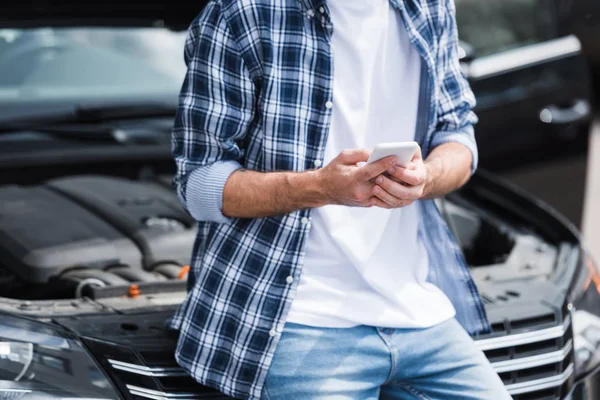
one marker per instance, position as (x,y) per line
(257,93)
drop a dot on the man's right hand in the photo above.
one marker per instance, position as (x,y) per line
(345,183)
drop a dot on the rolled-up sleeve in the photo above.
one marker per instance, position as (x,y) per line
(216,106)
(456,99)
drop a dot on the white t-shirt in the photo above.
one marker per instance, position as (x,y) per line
(368,265)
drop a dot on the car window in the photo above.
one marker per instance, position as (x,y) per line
(57,63)
(493,26)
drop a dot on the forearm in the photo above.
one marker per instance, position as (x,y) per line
(251,194)
(448,168)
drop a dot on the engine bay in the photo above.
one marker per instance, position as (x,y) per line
(67,236)
(106,239)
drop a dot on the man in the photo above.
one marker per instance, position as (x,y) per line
(313,276)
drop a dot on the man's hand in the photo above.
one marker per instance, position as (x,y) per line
(251,194)
(400,186)
(346,183)
(447,168)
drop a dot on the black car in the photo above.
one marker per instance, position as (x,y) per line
(583,18)
(94,243)
(533,93)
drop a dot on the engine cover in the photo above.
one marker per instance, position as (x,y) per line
(42,233)
(147,213)
(93,222)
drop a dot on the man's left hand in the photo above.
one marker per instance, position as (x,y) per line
(400,186)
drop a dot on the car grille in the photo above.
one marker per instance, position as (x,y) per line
(533,357)
(536,359)
(149,371)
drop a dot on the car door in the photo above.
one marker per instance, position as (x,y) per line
(582,17)
(533,92)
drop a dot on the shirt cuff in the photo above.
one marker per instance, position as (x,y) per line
(465,137)
(204,191)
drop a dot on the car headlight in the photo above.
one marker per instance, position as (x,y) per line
(40,362)
(585,300)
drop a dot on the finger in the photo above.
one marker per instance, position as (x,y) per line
(398,190)
(409,176)
(412,165)
(372,170)
(370,202)
(354,156)
(391,201)
(418,155)
(384,196)
(381,204)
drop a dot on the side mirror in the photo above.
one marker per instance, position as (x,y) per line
(466,52)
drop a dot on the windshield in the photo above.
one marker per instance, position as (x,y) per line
(493,26)
(50,66)
(75,65)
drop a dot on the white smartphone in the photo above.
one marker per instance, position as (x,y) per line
(404,152)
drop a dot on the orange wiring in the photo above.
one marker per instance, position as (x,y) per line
(134,291)
(184,271)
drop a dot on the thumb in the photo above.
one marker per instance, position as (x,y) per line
(354,156)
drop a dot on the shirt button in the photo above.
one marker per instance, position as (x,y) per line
(329,105)
(310,13)
(289,279)
(322,10)
(272,332)
(318,163)
(304,220)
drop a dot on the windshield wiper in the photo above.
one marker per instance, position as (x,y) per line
(83,122)
(97,113)
(90,113)
(74,131)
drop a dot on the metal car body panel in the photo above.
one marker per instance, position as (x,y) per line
(582,18)
(534,95)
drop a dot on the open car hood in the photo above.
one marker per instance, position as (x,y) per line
(174,14)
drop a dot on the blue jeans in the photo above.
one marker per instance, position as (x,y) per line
(364,362)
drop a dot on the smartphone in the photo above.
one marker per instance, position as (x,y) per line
(404,152)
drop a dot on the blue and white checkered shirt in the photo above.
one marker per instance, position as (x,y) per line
(256,94)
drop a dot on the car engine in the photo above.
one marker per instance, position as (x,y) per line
(67,237)
(102,236)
